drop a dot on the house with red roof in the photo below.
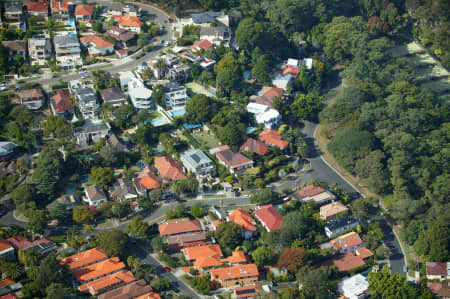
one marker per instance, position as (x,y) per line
(169,169)
(269,217)
(123,36)
(6,250)
(314,193)
(59,9)
(235,276)
(42,245)
(145,181)
(345,262)
(38,9)
(291,70)
(347,242)
(438,270)
(179,226)
(97,45)
(98,270)
(273,138)
(84,12)
(234,161)
(61,103)
(202,45)
(245,221)
(129,23)
(254,146)
(83,259)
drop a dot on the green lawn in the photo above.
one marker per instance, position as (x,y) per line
(206,139)
(198,89)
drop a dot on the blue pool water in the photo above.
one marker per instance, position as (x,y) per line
(178,112)
(158,121)
(84,178)
(211,91)
(70,189)
(250,130)
(71,22)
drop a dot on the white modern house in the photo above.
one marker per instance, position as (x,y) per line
(68,52)
(94,195)
(196,161)
(175,95)
(91,132)
(39,50)
(271,118)
(355,287)
(87,102)
(140,95)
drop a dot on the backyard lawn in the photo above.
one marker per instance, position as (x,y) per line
(206,139)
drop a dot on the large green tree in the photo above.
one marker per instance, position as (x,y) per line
(229,235)
(113,242)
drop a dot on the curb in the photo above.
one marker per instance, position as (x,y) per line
(337,172)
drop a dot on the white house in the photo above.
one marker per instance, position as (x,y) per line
(271,118)
(94,195)
(355,287)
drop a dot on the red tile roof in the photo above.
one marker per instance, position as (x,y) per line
(151,295)
(169,169)
(345,262)
(26,93)
(62,101)
(272,137)
(310,190)
(243,219)
(294,71)
(128,291)
(235,272)
(83,258)
(179,226)
(202,44)
(148,179)
(245,292)
(271,92)
(270,217)
(110,281)
(6,282)
(440,289)
(128,21)
(193,253)
(38,6)
(59,5)
(254,146)
(346,241)
(363,252)
(98,41)
(102,268)
(22,243)
(4,244)
(84,10)
(237,257)
(233,159)
(9,296)
(434,268)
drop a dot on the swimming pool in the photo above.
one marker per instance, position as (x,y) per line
(84,178)
(70,189)
(71,22)
(177,112)
(250,130)
(211,91)
(159,121)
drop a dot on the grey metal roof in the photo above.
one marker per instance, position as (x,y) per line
(112,94)
(69,40)
(219,30)
(93,128)
(195,157)
(86,94)
(205,17)
(6,147)
(340,222)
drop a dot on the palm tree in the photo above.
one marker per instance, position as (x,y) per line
(161,66)
(13,271)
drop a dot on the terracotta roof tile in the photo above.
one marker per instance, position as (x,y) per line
(22,243)
(62,101)
(235,272)
(169,169)
(4,244)
(98,41)
(10,296)
(128,21)
(291,70)
(243,219)
(148,180)
(270,217)
(113,280)
(232,159)
(346,241)
(363,252)
(202,44)
(27,93)
(254,146)
(6,282)
(345,262)
(434,268)
(271,92)
(332,209)
(83,258)
(37,6)
(310,190)
(272,137)
(128,291)
(245,292)
(237,257)
(151,295)
(84,10)
(90,272)
(59,5)
(179,226)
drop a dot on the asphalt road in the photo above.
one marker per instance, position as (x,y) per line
(154,15)
(176,285)
(322,172)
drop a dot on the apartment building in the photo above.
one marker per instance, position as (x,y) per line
(39,50)
(87,102)
(68,52)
